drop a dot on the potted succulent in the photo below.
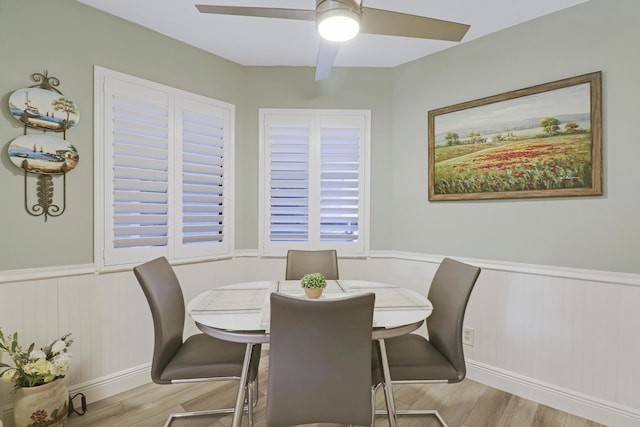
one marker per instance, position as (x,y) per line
(313,284)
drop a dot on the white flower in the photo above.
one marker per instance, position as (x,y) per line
(58,346)
(60,364)
(37,354)
(34,367)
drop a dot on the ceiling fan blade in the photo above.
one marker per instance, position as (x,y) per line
(326,55)
(261,12)
(386,22)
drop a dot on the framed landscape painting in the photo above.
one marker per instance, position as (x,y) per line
(542,141)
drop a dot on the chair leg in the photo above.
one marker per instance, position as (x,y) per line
(256,394)
(373,405)
(374,389)
(197,414)
(250,403)
(433,412)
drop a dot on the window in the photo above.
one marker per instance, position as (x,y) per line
(163,159)
(314,180)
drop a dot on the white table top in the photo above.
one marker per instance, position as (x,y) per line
(245,307)
(242,312)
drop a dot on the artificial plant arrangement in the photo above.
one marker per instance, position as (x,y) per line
(35,367)
(313,284)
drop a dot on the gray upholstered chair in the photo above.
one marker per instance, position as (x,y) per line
(319,361)
(440,358)
(300,263)
(198,358)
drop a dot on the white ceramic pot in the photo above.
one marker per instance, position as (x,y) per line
(43,405)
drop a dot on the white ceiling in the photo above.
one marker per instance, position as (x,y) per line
(266,41)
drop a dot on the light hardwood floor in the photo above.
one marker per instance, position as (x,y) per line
(466,404)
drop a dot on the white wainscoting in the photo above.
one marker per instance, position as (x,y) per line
(563,337)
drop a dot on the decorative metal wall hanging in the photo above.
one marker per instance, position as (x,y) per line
(45,108)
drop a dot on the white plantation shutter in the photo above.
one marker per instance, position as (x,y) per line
(314,179)
(341,171)
(289,181)
(204,131)
(140,167)
(162,157)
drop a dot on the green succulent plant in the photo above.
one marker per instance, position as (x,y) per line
(313,280)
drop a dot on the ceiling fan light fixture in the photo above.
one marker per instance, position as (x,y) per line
(338,24)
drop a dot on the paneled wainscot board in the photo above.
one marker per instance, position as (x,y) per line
(562,337)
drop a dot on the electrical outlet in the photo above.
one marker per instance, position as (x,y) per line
(467,336)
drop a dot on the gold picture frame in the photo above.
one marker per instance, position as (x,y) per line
(541,141)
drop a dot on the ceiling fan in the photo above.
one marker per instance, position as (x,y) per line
(340,20)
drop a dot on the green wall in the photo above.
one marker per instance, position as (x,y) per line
(600,233)
(293,87)
(68,39)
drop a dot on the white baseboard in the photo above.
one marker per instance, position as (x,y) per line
(601,411)
(584,406)
(104,387)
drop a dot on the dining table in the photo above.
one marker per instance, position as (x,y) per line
(240,312)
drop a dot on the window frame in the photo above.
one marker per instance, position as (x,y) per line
(175,250)
(268,247)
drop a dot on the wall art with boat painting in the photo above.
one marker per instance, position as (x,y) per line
(43,109)
(42,153)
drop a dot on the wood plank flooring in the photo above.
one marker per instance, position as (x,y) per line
(466,404)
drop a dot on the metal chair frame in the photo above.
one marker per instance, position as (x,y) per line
(160,269)
(468,275)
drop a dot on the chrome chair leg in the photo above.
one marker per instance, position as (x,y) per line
(197,414)
(374,389)
(250,403)
(433,412)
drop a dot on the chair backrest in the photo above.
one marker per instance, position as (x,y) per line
(300,263)
(165,298)
(319,360)
(449,293)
